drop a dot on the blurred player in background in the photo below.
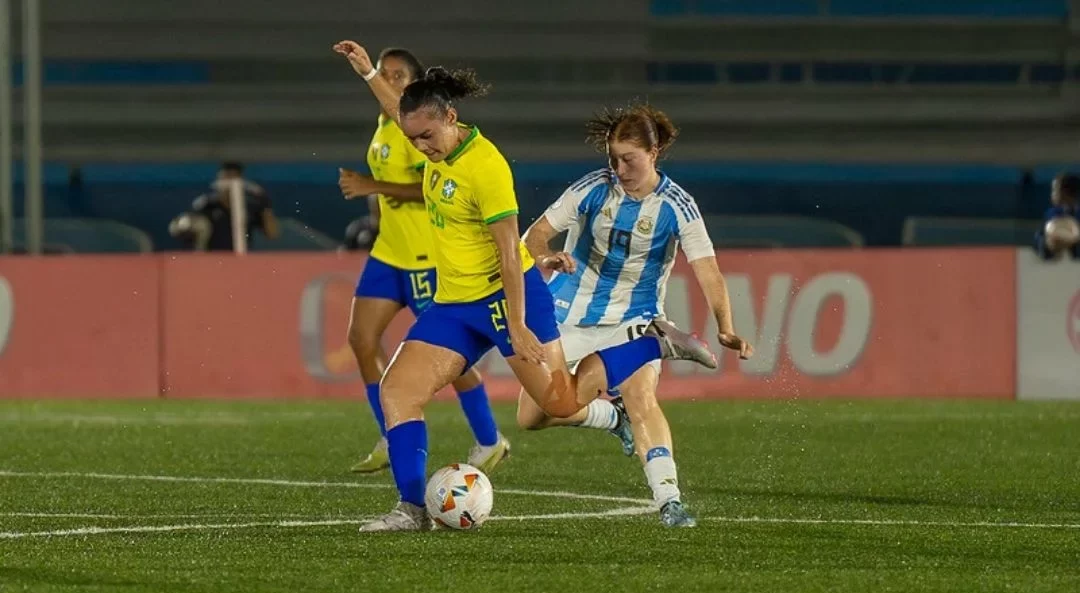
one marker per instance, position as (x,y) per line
(489,292)
(208,225)
(400,271)
(626,223)
(1063,216)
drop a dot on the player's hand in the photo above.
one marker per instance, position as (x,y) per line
(559,262)
(355,185)
(356,55)
(733,342)
(526,345)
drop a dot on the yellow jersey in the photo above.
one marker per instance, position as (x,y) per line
(404,239)
(472,188)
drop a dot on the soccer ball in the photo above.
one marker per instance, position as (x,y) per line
(459,496)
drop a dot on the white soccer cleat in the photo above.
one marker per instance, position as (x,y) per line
(405,517)
(676,344)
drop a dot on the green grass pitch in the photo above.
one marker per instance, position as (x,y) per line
(791,496)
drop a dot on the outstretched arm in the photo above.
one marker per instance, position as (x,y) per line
(714,287)
(387,95)
(538,242)
(355,185)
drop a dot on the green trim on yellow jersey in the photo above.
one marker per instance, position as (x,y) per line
(473,133)
(499,216)
(383,120)
(419,166)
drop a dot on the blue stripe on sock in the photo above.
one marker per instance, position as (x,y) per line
(408,459)
(376,407)
(477,408)
(657,452)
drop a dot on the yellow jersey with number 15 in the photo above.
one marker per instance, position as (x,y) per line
(404,239)
(470,189)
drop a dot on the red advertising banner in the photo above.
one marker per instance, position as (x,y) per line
(79,327)
(870,323)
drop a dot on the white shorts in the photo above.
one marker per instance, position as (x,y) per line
(579,342)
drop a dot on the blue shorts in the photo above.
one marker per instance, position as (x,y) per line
(409,288)
(471,329)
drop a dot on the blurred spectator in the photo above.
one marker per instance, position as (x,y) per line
(361,233)
(1064,203)
(208,225)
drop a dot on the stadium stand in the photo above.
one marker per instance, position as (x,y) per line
(755,86)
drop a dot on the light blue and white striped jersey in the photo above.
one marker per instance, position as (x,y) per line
(624,248)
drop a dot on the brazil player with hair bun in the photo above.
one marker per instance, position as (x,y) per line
(489,293)
(626,223)
(400,271)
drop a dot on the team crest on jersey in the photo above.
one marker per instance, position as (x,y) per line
(448,190)
(384,152)
(435,176)
(645,224)
(607,211)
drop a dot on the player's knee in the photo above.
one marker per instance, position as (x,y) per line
(363,343)
(399,390)
(561,408)
(530,419)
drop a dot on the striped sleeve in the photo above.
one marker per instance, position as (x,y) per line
(693,235)
(572,204)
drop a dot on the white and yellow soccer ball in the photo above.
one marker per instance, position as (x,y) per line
(459,496)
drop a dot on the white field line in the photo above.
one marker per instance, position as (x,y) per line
(620,512)
(625,511)
(641,507)
(300,484)
(164,528)
(51,515)
(894,522)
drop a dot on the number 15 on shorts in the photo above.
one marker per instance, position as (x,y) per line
(421,285)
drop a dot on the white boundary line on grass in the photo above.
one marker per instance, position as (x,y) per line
(892,522)
(49,515)
(303,484)
(619,512)
(641,506)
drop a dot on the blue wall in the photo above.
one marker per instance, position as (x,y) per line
(872,199)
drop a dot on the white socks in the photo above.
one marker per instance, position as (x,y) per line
(601,414)
(661,475)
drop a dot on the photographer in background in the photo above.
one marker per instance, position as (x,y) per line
(208,225)
(1060,232)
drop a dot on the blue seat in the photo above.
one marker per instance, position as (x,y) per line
(89,235)
(779,231)
(941,231)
